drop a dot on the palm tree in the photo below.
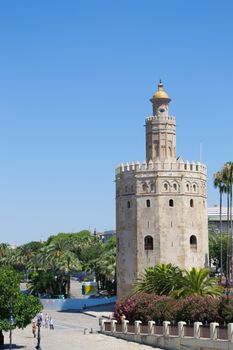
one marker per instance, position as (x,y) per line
(219,183)
(198,282)
(59,258)
(161,279)
(5,254)
(228,180)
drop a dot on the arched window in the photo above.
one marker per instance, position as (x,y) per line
(128,204)
(148,203)
(194,187)
(148,243)
(187,187)
(175,187)
(126,188)
(191,203)
(144,187)
(171,203)
(193,241)
(165,186)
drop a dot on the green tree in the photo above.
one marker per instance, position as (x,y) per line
(220,184)
(161,279)
(59,258)
(227,172)
(24,308)
(218,249)
(198,282)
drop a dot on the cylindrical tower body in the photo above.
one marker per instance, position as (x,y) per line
(161,205)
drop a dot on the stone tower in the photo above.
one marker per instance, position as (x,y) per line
(161,204)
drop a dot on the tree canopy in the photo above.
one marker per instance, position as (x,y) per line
(24,308)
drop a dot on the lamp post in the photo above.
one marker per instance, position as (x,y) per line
(11,322)
(39,320)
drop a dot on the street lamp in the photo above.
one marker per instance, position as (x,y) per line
(11,322)
(39,320)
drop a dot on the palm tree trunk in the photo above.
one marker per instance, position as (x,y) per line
(68,284)
(228,247)
(231,232)
(221,258)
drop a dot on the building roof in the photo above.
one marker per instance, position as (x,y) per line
(214,213)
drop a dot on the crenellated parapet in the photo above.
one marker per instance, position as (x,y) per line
(159,118)
(179,165)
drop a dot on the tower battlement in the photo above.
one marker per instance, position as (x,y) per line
(179,165)
(164,117)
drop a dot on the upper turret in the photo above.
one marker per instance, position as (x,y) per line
(160,101)
(160,129)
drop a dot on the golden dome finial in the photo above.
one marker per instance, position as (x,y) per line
(160,93)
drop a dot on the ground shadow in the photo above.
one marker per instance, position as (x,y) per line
(14,346)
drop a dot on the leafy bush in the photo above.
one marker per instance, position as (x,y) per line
(197,308)
(146,307)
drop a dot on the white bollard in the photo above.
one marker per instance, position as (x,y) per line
(197,329)
(181,325)
(151,327)
(113,326)
(230,332)
(214,330)
(166,328)
(125,326)
(137,327)
(102,328)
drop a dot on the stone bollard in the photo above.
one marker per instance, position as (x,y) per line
(166,328)
(214,330)
(137,327)
(125,326)
(102,327)
(197,329)
(181,325)
(230,332)
(151,327)
(113,326)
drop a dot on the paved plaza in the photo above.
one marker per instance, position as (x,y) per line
(69,334)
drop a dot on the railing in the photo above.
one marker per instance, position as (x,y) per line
(167,335)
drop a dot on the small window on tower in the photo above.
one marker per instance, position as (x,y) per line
(148,243)
(171,203)
(191,203)
(128,204)
(193,241)
(148,203)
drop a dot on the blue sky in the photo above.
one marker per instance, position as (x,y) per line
(75,82)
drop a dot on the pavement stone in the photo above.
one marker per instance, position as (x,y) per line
(72,331)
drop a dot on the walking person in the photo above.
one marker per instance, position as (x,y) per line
(34,328)
(51,323)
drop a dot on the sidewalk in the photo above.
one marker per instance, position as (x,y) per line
(72,330)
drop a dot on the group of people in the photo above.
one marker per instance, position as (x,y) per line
(42,321)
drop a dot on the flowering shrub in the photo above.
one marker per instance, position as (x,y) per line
(146,307)
(197,308)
